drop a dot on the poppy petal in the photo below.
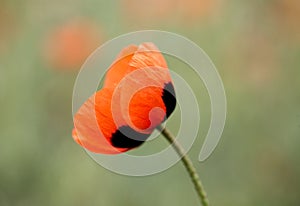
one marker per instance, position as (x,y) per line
(148,55)
(120,67)
(140,98)
(87,131)
(96,130)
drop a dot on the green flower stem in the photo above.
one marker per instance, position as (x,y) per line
(187,163)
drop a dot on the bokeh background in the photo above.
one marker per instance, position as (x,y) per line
(254,44)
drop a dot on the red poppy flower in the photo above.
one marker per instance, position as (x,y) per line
(137,96)
(187,12)
(68,45)
(9,26)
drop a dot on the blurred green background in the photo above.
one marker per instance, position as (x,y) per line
(254,44)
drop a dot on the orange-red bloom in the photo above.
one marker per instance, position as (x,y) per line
(186,12)
(70,44)
(137,96)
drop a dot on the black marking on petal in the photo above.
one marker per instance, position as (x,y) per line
(126,137)
(169,98)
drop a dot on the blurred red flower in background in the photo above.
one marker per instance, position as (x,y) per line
(287,14)
(8,26)
(168,11)
(193,10)
(68,45)
(148,10)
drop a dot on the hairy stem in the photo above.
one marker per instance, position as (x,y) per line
(187,163)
